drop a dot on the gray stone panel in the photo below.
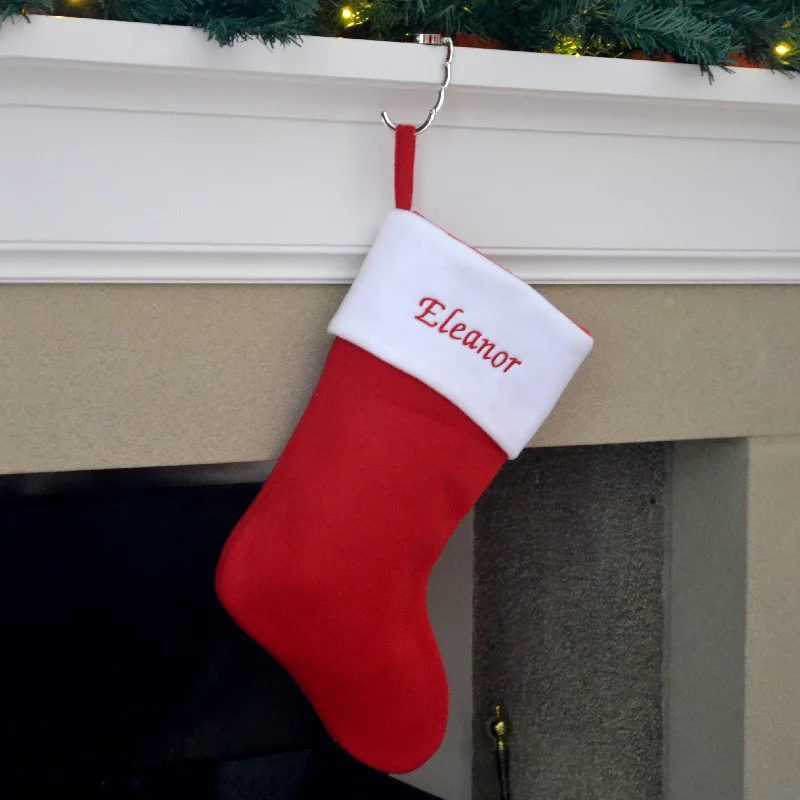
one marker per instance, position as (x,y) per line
(569,622)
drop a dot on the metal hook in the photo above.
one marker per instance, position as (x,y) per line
(431,38)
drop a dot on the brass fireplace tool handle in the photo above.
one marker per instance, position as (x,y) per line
(498,731)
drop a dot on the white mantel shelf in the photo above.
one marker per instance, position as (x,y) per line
(135,153)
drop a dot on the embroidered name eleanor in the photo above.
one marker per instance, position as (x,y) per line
(429,316)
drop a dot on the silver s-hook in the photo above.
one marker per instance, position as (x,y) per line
(431,38)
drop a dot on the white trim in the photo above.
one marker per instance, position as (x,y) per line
(134,45)
(77,262)
(440,311)
(165,139)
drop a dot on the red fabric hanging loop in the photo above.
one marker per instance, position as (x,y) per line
(405,143)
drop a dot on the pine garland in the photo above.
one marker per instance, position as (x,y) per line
(705,32)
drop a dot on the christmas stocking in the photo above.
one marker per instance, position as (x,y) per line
(443,366)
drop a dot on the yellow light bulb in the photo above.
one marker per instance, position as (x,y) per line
(347,13)
(782,49)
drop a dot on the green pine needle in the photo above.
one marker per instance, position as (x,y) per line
(710,33)
(15,8)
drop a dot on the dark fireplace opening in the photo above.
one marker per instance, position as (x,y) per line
(121,675)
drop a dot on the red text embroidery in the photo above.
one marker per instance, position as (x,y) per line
(434,315)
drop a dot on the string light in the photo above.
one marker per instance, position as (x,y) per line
(782,49)
(347,13)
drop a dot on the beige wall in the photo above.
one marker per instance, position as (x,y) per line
(772,653)
(733,621)
(123,376)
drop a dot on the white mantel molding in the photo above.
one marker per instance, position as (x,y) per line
(135,263)
(135,153)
